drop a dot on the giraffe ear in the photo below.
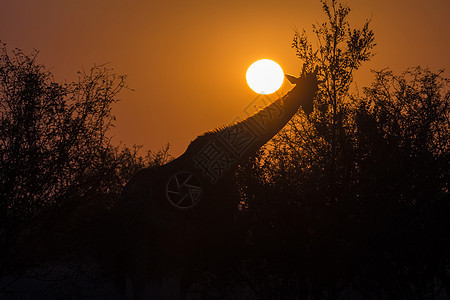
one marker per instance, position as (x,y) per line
(291,78)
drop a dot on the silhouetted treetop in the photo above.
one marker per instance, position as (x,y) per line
(60,174)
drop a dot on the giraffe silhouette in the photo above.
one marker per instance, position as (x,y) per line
(178,216)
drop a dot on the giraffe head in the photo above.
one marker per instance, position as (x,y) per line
(306,86)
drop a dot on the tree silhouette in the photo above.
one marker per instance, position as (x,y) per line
(60,174)
(351,200)
(402,131)
(306,170)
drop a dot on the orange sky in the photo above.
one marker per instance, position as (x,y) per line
(186,60)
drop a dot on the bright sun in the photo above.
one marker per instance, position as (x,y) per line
(265,76)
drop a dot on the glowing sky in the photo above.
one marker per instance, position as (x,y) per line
(186,60)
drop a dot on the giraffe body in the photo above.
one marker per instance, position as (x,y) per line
(179,217)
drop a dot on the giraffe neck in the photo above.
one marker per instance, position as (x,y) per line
(266,123)
(216,152)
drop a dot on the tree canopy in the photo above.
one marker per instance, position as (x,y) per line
(60,174)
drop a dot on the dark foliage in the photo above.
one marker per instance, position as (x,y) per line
(59,173)
(353,200)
